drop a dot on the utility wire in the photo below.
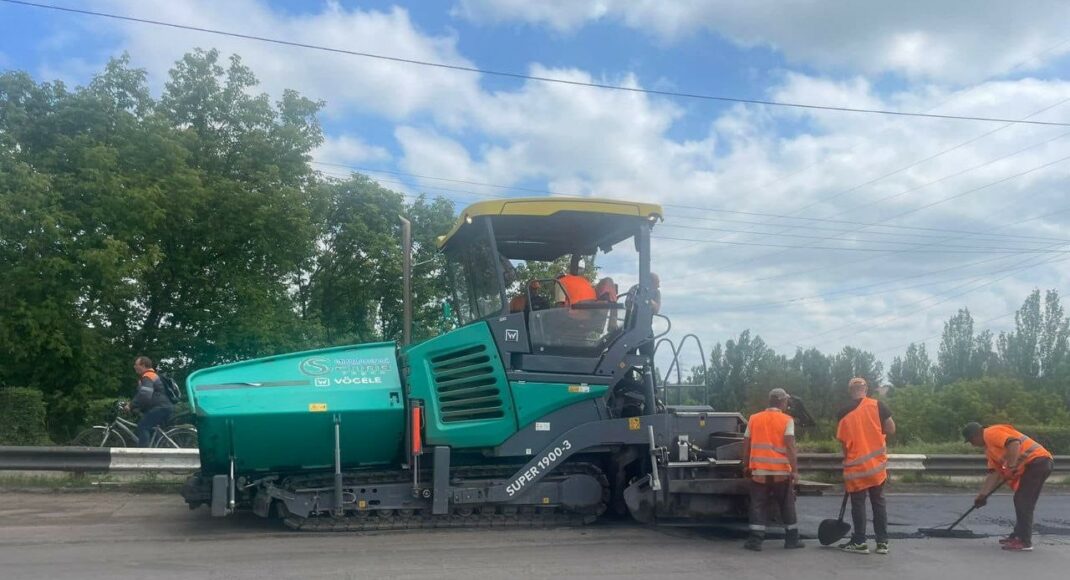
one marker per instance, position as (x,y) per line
(878,250)
(882,286)
(841,238)
(941,335)
(922,186)
(868,325)
(675,216)
(1007,238)
(826,199)
(514,75)
(917,209)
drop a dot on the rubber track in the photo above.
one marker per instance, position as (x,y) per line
(481,516)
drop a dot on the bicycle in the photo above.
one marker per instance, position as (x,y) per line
(122,432)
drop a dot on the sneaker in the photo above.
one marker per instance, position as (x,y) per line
(1008,539)
(852,548)
(753,545)
(882,547)
(1017,545)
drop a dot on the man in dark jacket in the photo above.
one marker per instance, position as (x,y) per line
(150,399)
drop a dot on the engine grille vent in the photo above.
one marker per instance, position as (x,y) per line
(466,386)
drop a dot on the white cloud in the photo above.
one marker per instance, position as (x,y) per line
(955,40)
(617,144)
(349,150)
(349,83)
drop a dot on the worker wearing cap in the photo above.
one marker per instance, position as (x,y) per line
(864,424)
(769,458)
(1020,461)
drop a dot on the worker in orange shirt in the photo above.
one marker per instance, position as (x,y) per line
(770,460)
(864,424)
(1020,461)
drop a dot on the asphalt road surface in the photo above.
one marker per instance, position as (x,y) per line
(113,535)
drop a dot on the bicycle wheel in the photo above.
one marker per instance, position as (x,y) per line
(180,437)
(99,436)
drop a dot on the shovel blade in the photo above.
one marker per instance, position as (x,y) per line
(831,531)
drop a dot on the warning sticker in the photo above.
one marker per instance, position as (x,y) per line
(579,389)
(542,426)
(317,407)
(633,423)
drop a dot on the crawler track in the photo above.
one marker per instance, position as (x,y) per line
(475,516)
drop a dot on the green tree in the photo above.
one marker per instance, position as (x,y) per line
(962,355)
(733,369)
(854,362)
(818,393)
(1037,347)
(914,368)
(170,227)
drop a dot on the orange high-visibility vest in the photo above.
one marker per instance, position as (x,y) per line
(768,446)
(996,438)
(577,289)
(865,462)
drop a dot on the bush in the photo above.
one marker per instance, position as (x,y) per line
(22,417)
(1054,438)
(98,411)
(927,414)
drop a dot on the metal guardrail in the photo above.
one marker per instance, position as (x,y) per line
(96,459)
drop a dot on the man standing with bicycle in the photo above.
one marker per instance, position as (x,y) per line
(150,400)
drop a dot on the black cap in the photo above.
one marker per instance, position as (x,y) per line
(971,430)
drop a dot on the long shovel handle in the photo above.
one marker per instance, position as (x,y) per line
(973,507)
(843,506)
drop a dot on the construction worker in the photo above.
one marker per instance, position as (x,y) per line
(576,289)
(863,426)
(150,399)
(1020,461)
(770,461)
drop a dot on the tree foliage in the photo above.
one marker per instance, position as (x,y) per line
(189,227)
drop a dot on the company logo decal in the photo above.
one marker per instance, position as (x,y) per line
(314,366)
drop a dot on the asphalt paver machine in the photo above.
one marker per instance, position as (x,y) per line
(537,409)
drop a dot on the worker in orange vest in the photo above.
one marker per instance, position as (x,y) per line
(1020,461)
(864,424)
(576,289)
(769,460)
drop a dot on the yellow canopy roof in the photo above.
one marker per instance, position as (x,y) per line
(542,210)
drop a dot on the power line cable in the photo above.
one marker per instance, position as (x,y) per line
(828,198)
(914,210)
(1007,238)
(878,250)
(868,326)
(810,220)
(521,76)
(843,239)
(882,285)
(936,336)
(911,190)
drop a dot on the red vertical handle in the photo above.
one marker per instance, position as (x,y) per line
(417,443)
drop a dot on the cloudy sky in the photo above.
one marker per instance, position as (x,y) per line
(811,228)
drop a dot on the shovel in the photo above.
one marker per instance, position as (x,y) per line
(832,530)
(950,531)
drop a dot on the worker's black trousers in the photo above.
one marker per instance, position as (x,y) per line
(1025,499)
(778,495)
(880,514)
